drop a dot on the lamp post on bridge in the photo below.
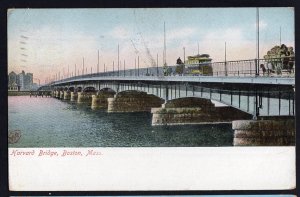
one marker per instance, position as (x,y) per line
(134,66)
(138,66)
(83,66)
(184,55)
(118,60)
(124,68)
(98,63)
(157,64)
(257,42)
(225,64)
(113,68)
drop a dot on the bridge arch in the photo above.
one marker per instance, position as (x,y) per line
(189,102)
(135,101)
(107,90)
(72,88)
(89,89)
(195,110)
(78,89)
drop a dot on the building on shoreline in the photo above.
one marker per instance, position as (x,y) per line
(20,82)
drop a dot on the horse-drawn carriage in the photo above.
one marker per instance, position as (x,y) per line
(280,59)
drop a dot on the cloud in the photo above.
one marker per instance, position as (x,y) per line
(181,33)
(262,25)
(230,34)
(56,47)
(120,32)
(238,47)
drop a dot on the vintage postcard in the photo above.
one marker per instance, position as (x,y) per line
(146,99)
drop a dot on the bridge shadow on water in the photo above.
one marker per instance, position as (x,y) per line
(135,130)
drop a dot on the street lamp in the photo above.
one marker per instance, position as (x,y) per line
(184,55)
(225,61)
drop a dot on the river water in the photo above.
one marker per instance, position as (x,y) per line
(49,122)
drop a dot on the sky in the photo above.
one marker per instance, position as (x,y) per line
(51,41)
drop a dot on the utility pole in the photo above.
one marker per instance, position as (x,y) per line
(113,68)
(184,55)
(280,36)
(68,71)
(75,70)
(98,63)
(138,65)
(225,61)
(165,47)
(257,39)
(118,60)
(256,105)
(83,66)
(124,68)
(157,64)
(134,66)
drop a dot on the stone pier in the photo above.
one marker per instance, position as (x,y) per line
(266,131)
(67,95)
(194,111)
(74,96)
(57,94)
(133,101)
(61,94)
(84,97)
(100,99)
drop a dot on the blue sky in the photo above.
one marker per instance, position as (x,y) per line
(46,41)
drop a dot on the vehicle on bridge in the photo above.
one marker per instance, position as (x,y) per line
(199,65)
(280,59)
(195,65)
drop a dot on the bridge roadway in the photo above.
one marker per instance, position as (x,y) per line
(290,81)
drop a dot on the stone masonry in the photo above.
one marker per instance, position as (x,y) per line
(194,111)
(133,101)
(273,131)
(100,100)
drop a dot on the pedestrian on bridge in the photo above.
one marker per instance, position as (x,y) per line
(262,66)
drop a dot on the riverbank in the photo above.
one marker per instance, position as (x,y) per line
(18,93)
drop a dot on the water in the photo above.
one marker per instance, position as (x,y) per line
(49,122)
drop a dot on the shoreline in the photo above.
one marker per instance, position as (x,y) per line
(18,93)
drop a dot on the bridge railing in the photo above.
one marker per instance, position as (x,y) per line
(281,66)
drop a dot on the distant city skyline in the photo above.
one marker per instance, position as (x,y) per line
(21,81)
(48,41)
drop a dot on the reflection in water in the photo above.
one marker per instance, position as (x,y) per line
(49,122)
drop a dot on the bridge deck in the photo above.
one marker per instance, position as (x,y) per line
(199,79)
